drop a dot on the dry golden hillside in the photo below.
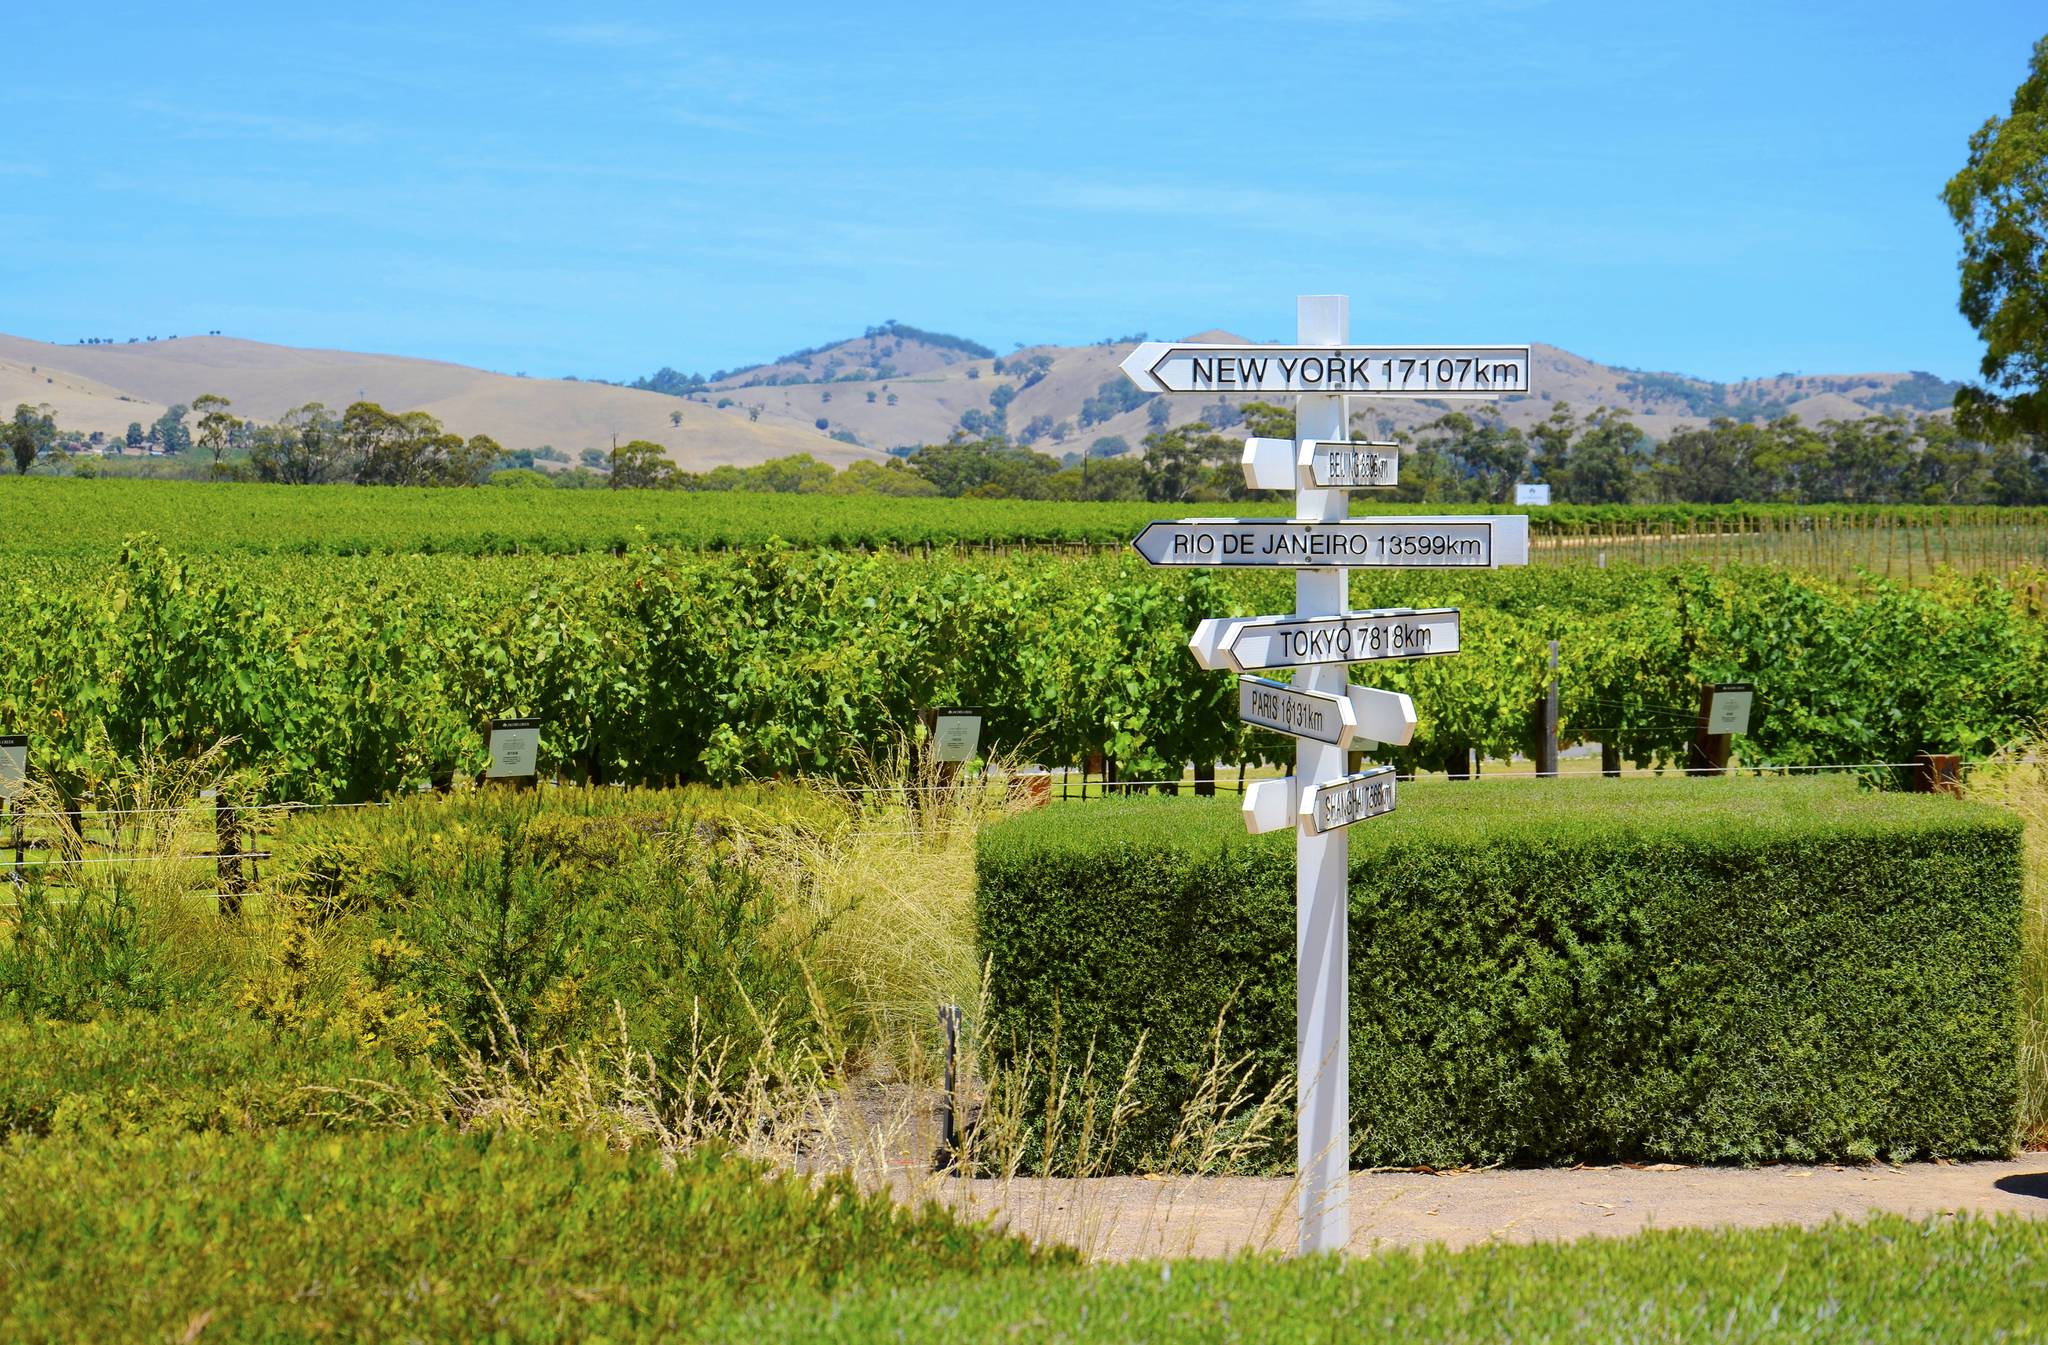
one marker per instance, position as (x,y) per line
(861,386)
(106,387)
(891,388)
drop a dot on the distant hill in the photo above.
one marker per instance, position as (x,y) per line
(105,387)
(897,391)
(892,387)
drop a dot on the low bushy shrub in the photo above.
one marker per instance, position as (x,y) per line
(196,1070)
(1548,971)
(74,953)
(379,856)
(426,1234)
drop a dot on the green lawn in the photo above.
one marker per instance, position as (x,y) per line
(423,1234)
(1890,1279)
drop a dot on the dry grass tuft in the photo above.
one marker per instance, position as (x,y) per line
(2017,780)
(890,902)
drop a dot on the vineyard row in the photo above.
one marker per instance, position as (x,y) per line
(352,678)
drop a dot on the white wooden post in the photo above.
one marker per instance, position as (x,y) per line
(1320,800)
(1322,998)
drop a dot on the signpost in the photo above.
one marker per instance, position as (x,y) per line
(1724,712)
(1346,465)
(1305,714)
(1326,714)
(956,734)
(1728,707)
(13,772)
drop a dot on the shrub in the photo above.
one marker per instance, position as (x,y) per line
(95,950)
(1550,971)
(556,918)
(425,1234)
(204,1070)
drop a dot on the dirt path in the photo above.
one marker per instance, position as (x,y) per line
(1122,1217)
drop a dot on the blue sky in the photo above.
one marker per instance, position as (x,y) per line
(1717,189)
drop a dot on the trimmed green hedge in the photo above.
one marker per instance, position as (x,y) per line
(1550,971)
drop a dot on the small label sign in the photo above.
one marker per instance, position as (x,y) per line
(515,749)
(956,734)
(1339,803)
(1341,465)
(1728,708)
(13,764)
(1315,715)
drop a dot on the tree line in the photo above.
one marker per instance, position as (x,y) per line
(310,445)
(1459,458)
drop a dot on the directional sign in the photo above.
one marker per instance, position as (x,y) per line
(1250,644)
(1320,464)
(1316,715)
(1354,371)
(1269,805)
(1358,543)
(1339,803)
(1383,716)
(1345,464)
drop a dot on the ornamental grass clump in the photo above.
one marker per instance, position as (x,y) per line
(2017,780)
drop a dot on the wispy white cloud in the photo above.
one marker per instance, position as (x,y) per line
(1351,217)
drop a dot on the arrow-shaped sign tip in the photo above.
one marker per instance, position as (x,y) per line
(1269,805)
(1205,644)
(1137,365)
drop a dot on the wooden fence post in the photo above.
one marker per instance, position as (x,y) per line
(1709,754)
(1546,713)
(228,857)
(1937,773)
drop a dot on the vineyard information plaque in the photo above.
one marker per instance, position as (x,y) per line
(515,749)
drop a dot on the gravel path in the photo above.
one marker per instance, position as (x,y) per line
(1122,1217)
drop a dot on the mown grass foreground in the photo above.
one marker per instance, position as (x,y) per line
(425,1234)
(1890,1279)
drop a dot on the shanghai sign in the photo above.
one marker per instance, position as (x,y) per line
(1354,798)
